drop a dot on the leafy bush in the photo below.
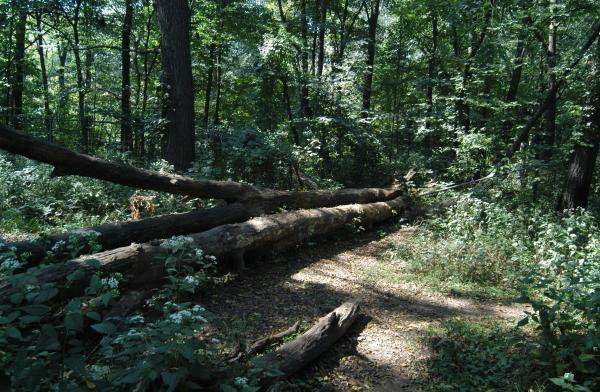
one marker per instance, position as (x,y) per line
(476,246)
(52,343)
(564,291)
(480,357)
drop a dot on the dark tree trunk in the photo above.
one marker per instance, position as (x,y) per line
(19,76)
(580,172)
(44,72)
(288,109)
(174,18)
(219,75)
(62,86)
(462,107)
(373,17)
(515,79)
(209,83)
(126,127)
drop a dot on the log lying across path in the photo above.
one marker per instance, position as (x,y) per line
(139,261)
(292,357)
(67,162)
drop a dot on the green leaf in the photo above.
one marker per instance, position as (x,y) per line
(48,339)
(46,294)
(74,321)
(17,298)
(35,310)
(75,275)
(14,333)
(105,328)
(172,379)
(93,315)
(12,316)
(30,319)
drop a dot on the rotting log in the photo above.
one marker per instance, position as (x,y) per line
(292,357)
(67,162)
(142,267)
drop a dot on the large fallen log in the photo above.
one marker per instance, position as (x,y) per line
(292,357)
(114,235)
(67,162)
(139,261)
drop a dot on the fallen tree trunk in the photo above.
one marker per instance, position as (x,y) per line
(67,162)
(114,235)
(292,357)
(139,261)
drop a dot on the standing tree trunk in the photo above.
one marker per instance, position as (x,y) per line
(462,107)
(174,19)
(580,172)
(304,101)
(44,72)
(19,77)
(322,28)
(126,128)
(62,86)
(209,83)
(549,135)
(217,119)
(83,123)
(373,17)
(431,67)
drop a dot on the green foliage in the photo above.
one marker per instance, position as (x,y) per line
(482,356)
(476,247)
(50,343)
(564,291)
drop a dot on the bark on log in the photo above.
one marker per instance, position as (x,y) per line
(67,162)
(115,235)
(140,260)
(292,357)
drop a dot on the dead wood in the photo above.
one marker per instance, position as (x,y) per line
(143,268)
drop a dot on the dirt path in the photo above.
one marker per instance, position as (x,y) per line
(385,351)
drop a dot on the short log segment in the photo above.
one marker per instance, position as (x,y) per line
(292,357)
(67,162)
(139,261)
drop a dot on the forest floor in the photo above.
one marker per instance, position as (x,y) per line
(388,349)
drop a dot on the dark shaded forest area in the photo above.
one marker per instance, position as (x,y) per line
(159,156)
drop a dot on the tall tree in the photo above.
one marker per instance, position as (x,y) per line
(580,172)
(372,10)
(174,20)
(19,75)
(126,128)
(44,74)
(549,132)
